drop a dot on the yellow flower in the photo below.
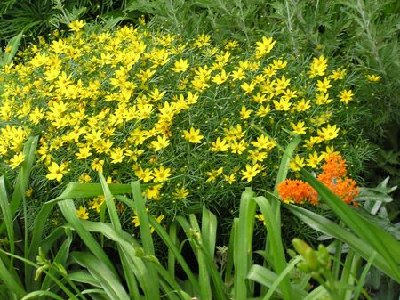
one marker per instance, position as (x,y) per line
(318,67)
(238,147)
(346,96)
(281,84)
(282,104)
(230,178)
(338,74)
(193,135)
(260,217)
(56,172)
(144,175)
(250,172)
(264,142)
(278,64)
(265,46)
(83,153)
(82,213)
(213,175)
(256,156)
(238,74)
(259,98)
(313,160)
(17,160)
(373,78)
(154,192)
(322,98)
(329,132)
(76,25)
(96,203)
(245,113)
(297,163)
(161,174)
(323,86)
(97,165)
(263,111)
(161,143)
(221,77)
(248,87)
(219,145)
(180,193)
(117,155)
(302,105)
(85,178)
(180,66)
(299,128)
(329,150)
(202,40)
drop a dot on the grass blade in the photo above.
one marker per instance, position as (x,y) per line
(22,181)
(275,246)
(68,210)
(77,190)
(112,211)
(11,281)
(242,256)
(7,215)
(176,252)
(209,230)
(146,238)
(41,293)
(103,274)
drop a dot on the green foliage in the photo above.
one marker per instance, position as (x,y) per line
(21,277)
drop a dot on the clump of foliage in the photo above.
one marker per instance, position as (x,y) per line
(195,121)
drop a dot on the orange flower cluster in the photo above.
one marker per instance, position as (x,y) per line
(334,176)
(297,191)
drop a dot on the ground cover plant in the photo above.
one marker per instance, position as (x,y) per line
(194,121)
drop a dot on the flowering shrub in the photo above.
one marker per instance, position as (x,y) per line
(194,121)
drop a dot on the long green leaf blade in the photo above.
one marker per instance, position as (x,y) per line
(243,243)
(104,275)
(7,215)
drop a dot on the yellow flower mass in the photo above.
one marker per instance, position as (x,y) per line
(181,116)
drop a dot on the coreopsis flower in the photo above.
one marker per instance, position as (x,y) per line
(180,66)
(297,163)
(346,96)
(318,67)
(82,213)
(180,193)
(56,172)
(76,25)
(219,145)
(328,132)
(250,172)
(17,160)
(373,78)
(161,174)
(264,46)
(193,135)
(299,128)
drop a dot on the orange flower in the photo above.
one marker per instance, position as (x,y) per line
(335,166)
(297,191)
(334,176)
